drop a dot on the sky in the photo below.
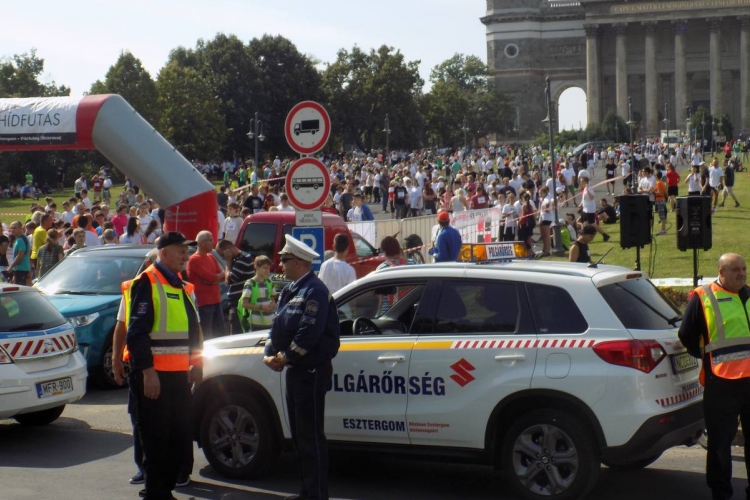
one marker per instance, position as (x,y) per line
(80,39)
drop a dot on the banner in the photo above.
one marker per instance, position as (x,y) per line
(38,121)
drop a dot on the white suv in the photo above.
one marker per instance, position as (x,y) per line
(545,370)
(41,369)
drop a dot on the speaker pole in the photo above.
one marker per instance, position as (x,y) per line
(557,249)
(695,268)
(637,257)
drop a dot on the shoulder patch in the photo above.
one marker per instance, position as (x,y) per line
(311,309)
(142,308)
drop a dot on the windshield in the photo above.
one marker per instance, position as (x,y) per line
(640,305)
(90,275)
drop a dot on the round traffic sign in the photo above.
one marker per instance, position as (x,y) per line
(307,127)
(308,184)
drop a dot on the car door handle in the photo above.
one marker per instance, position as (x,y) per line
(391,358)
(511,357)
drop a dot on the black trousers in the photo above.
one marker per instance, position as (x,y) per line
(305,397)
(133,411)
(724,401)
(165,424)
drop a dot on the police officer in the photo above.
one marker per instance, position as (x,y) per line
(716,327)
(165,342)
(305,337)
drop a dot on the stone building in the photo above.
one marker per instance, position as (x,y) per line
(678,53)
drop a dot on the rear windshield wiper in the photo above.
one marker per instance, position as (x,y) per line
(74,292)
(673,321)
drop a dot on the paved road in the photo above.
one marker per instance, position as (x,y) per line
(87,455)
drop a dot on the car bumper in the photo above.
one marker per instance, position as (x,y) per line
(659,433)
(18,389)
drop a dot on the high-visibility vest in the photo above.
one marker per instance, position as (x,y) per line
(249,318)
(170,338)
(728,323)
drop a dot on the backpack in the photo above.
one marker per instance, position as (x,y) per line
(244,315)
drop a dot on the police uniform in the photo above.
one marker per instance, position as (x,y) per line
(305,331)
(164,334)
(716,328)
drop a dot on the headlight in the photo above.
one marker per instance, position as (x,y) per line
(4,358)
(84,320)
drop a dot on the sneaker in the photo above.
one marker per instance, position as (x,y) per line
(183,480)
(662,233)
(142,493)
(138,478)
(736,204)
(606,237)
(721,204)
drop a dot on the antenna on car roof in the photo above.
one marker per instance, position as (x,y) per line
(596,264)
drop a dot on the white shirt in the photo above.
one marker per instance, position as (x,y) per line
(336,274)
(694,182)
(714,176)
(646,186)
(87,202)
(282,208)
(510,215)
(92,239)
(588,200)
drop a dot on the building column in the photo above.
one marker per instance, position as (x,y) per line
(680,74)
(745,73)
(593,75)
(715,65)
(621,69)
(652,108)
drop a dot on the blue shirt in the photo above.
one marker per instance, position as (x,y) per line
(447,245)
(22,245)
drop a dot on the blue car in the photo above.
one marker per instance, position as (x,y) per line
(85,288)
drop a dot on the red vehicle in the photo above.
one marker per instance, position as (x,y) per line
(263,234)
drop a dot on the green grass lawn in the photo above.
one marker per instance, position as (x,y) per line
(729,226)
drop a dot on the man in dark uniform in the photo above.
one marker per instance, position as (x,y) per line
(165,343)
(305,338)
(716,328)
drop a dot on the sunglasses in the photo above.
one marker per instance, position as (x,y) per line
(287,259)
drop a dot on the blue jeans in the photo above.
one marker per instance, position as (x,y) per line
(212,321)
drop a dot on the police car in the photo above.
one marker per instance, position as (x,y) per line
(544,370)
(41,368)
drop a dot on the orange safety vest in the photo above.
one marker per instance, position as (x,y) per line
(170,323)
(728,324)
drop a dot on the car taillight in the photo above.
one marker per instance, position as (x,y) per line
(4,358)
(642,355)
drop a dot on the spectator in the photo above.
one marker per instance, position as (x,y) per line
(92,239)
(336,273)
(240,269)
(206,274)
(256,308)
(448,242)
(79,237)
(49,254)
(132,236)
(152,232)
(109,237)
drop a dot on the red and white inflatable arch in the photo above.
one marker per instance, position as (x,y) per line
(110,125)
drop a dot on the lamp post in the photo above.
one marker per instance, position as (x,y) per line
(465,128)
(557,250)
(689,127)
(713,134)
(387,130)
(256,132)
(630,125)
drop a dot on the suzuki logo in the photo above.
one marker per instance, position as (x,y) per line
(462,369)
(48,347)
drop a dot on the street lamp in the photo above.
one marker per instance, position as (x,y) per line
(666,123)
(713,134)
(465,128)
(256,132)
(387,131)
(630,125)
(557,250)
(689,120)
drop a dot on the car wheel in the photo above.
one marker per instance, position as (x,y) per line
(631,466)
(548,454)
(238,438)
(43,417)
(103,375)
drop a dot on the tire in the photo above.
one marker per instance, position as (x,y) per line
(632,466)
(43,417)
(238,438)
(534,471)
(102,374)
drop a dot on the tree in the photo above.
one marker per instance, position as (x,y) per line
(361,89)
(191,117)
(613,128)
(128,78)
(462,97)
(19,77)
(287,77)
